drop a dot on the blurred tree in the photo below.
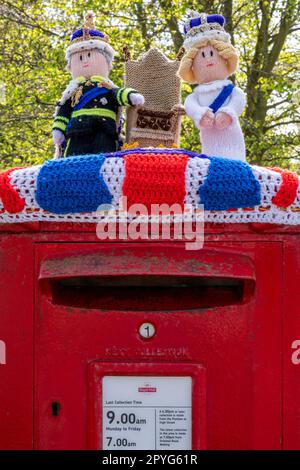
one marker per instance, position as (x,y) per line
(34,35)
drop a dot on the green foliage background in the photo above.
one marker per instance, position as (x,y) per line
(35,33)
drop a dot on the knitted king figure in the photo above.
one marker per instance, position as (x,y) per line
(86,117)
(215,103)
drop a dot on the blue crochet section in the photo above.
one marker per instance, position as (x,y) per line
(72,185)
(230,184)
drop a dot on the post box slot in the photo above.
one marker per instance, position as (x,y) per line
(150,293)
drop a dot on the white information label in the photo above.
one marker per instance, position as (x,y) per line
(147,413)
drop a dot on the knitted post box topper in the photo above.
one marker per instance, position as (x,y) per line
(215,103)
(86,118)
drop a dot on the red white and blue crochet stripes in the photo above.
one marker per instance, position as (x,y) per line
(72,189)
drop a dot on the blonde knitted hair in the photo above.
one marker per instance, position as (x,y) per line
(225,49)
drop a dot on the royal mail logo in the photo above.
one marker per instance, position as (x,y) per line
(147,389)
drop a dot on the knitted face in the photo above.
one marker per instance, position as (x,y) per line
(88,63)
(209,66)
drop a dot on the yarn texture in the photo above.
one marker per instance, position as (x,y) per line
(11,200)
(158,122)
(154,179)
(72,185)
(288,188)
(72,189)
(229,184)
(228,142)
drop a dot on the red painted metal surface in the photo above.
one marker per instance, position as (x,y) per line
(71,306)
(16,332)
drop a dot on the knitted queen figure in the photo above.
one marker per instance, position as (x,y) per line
(86,118)
(215,103)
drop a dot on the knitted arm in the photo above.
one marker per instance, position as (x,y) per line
(62,117)
(236,104)
(194,110)
(128,97)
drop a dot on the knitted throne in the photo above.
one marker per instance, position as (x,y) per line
(158,122)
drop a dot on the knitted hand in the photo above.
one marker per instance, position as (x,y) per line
(58,137)
(207,120)
(223,120)
(137,99)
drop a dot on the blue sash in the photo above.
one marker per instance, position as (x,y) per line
(221,98)
(86,98)
(89,96)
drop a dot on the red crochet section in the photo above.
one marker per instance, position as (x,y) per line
(155,179)
(287,192)
(11,200)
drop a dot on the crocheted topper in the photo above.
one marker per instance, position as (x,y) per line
(73,189)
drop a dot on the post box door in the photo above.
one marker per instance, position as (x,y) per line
(216,310)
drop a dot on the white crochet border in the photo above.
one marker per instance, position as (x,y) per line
(272,216)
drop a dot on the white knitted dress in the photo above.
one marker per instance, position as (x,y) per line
(215,142)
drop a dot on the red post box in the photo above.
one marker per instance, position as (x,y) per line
(129,345)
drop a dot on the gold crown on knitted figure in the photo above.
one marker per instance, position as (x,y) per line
(88,37)
(200,26)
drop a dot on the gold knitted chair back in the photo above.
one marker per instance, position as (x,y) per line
(158,122)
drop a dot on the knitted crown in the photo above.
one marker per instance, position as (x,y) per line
(88,38)
(200,26)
